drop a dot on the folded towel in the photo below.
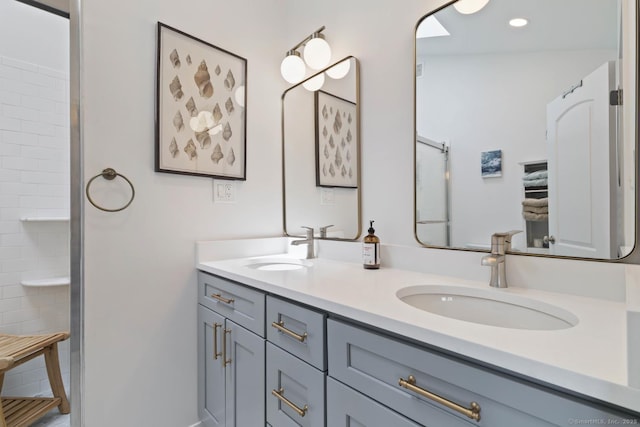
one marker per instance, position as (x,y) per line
(536,210)
(542,182)
(535,175)
(529,216)
(536,203)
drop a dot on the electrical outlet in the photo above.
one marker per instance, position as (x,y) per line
(224,192)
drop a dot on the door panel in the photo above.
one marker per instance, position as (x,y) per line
(211,378)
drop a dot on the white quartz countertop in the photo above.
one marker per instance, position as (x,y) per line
(589,358)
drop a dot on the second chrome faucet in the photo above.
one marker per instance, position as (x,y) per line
(500,244)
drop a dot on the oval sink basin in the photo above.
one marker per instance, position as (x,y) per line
(487,307)
(278,264)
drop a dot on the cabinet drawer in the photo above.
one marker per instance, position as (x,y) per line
(298,330)
(302,385)
(232,300)
(347,408)
(375,364)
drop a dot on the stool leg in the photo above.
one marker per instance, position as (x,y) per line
(55,379)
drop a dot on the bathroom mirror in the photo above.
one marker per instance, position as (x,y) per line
(526,120)
(321,152)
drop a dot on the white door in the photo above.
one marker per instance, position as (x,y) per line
(581,150)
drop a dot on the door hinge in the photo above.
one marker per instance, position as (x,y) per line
(615,97)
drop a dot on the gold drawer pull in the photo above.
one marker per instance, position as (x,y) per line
(278,393)
(410,384)
(280,326)
(225,361)
(215,340)
(222,299)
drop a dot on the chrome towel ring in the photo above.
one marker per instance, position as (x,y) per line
(110,174)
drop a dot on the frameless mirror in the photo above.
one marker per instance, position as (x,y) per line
(526,120)
(321,152)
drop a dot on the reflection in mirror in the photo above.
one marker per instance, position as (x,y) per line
(321,153)
(528,128)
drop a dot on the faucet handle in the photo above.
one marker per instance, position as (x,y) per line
(323,231)
(310,231)
(505,238)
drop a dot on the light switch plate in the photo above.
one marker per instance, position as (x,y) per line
(327,196)
(224,191)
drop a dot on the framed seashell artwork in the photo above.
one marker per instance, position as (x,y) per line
(336,156)
(201,118)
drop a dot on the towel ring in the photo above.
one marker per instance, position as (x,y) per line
(110,174)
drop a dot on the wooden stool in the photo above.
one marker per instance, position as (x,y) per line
(18,349)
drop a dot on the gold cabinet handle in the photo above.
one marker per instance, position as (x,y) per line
(225,361)
(278,393)
(280,326)
(410,384)
(215,340)
(222,299)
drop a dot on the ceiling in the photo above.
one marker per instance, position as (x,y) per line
(553,25)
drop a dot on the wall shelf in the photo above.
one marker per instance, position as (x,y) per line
(44,219)
(54,281)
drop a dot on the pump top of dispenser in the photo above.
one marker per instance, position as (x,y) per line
(371,230)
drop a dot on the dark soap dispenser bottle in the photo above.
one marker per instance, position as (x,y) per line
(371,249)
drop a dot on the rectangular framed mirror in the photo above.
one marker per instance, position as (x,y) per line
(321,152)
(526,119)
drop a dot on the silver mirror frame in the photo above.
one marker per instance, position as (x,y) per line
(358,126)
(632,258)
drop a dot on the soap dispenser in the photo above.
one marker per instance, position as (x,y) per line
(371,249)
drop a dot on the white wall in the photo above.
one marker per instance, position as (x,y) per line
(140,283)
(489,102)
(34,181)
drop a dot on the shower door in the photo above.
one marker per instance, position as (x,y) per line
(432,192)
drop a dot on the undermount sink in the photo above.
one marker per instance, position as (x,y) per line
(278,264)
(487,307)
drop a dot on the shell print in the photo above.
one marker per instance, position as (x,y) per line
(203,80)
(217,70)
(350,173)
(338,158)
(204,139)
(226,133)
(188,59)
(228,105)
(175,58)
(325,114)
(349,137)
(348,156)
(324,131)
(191,107)
(331,143)
(175,87)
(343,143)
(332,171)
(178,122)
(191,150)
(231,157)
(217,155)
(217,114)
(326,152)
(173,148)
(324,170)
(230,81)
(343,171)
(337,123)
(349,119)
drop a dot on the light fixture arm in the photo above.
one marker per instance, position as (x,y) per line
(311,36)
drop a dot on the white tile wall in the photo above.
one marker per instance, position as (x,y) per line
(34,181)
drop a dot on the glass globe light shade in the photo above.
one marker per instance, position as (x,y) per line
(339,70)
(239,95)
(467,7)
(317,53)
(292,68)
(315,83)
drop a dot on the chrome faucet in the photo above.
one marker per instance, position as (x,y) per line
(500,244)
(309,241)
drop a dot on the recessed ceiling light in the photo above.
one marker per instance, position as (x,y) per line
(518,22)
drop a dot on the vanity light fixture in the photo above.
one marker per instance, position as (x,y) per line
(317,55)
(518,22)
(467,7)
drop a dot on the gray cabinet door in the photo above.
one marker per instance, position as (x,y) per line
(245,377)
(302,385)
(211,373)
(348,408)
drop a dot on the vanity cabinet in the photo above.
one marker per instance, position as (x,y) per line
(296,365)
(435,390)
(231,354)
